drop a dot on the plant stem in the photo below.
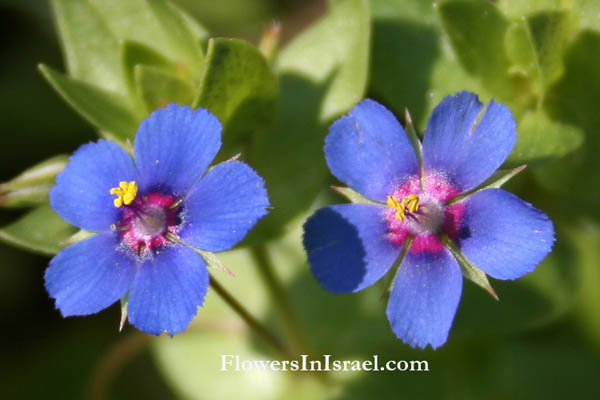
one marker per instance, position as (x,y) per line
(280,299)
(255,324)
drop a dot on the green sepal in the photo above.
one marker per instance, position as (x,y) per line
(106,110)
(354,196)
(469,271)
(416,143)
(124,311)
(238,86)
(212,261)
(40,231)
(157,88)
(495,181)
(397,265)
(80,235)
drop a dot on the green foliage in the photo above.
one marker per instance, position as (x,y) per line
(124,59)
(108,111)
(237,86)
(40,230)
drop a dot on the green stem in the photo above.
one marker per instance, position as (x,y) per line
(255,324)
(280,299)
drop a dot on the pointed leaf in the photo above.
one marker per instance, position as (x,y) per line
(158,88)
(536,44)
(133,53)
(106,110)
(157,24)
(26,197)
(44,172)
(237,86)
(41,231)
(334,50)
(541,138)
(91,49)
(476,30)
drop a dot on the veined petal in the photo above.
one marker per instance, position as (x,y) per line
(90,275)
(81,194)
(167,291)
(369,151)
(347,246)
(503,235)
(468,151)
(174,147)
(424,298)
(223,206)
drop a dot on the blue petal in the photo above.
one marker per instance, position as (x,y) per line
(466,151)
(173,148)
(424,298)
(503,235)
(369,151)
(167,291)
(89,276)
(221,209)
(81,194)
(347,248)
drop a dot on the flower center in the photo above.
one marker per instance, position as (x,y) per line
(145,220)
(422,215)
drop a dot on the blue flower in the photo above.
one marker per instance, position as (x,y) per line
(137,208)
(351,246)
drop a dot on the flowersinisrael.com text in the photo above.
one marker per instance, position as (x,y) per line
(230,362)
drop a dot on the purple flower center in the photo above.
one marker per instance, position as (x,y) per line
(423,214)
(145,222)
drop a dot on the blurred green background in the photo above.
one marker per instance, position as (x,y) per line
(542,340)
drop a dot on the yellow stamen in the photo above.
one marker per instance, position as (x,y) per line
(410,203)
(126,193)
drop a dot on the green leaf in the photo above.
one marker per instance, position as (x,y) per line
(541,138)
(573,100)
(133,54)
(536,45)
(237,86)
(477,30)
(354,196)
(158,88)
(157,24)
(31,187)
(40,230)
(469,270)
(405,49)
(26,197)
(44,172)
(91,49)
(106,110)
(334,50)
